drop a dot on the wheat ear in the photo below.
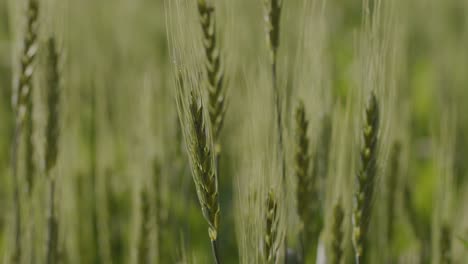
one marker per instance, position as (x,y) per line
(273,15)
(365,179)
(337,235)
(271,247)
(214,70)
(202,163)
(52,135)
(21,102)
(308,206)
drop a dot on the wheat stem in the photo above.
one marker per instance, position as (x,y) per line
(52,136)
(365,179)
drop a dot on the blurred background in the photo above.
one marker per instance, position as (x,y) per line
(121,148)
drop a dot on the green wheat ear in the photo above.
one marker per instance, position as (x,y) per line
(365,179)
(308,205)
(337,235)
(201,156)
(214,70)
(271,230)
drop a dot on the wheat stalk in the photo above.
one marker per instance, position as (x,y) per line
(392,188)
(201,157)
(337,235)
(365,179)
(270,241)
(52,136)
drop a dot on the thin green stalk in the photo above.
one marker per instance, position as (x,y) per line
(365,180)
(52,136)
(392,189)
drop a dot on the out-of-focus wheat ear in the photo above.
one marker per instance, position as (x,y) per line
(446,245)
(270,243)
(308,204)
(214,69)
(365,179)
(51,150)
(392,182)
(22,108)
(273,16)
(302,164)
(336,252)
(199,147)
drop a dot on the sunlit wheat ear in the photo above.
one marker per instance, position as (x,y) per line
(51,151)
(201,157)
(446,245)
(365,179)
(336,249)
(270,241)
(214,70)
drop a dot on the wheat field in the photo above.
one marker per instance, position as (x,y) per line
(233,131)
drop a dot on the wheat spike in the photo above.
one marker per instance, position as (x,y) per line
(201,157)
(214,71)
(271,229)
(22,104)
(308,205)
(337,235)
(365,179)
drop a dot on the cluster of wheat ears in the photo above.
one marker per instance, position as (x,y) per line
(283,167)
